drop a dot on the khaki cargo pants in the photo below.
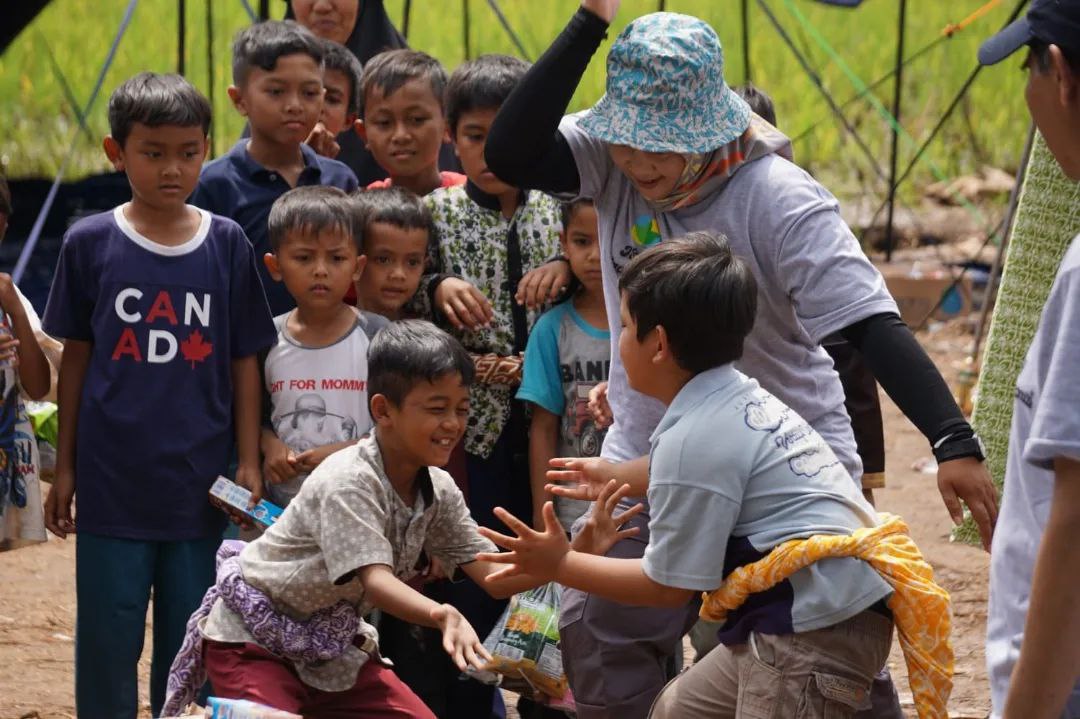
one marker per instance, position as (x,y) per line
(822,674)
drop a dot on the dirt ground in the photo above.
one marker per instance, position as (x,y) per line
(37,587)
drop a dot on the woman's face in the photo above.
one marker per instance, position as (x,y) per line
(654,174)
(330,19)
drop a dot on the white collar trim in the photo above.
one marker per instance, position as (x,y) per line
(157,248)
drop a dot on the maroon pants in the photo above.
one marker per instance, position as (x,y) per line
(247,671)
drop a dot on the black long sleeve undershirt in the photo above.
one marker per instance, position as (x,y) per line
(908,376)
(524,147)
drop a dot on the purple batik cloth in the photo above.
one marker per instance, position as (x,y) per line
(326,634)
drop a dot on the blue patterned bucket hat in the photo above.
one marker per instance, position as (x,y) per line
(666,89)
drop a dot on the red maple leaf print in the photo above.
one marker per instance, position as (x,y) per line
(195,348)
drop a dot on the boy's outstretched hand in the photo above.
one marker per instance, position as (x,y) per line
(579,478)
(603,529)
(537,554)
(459,638)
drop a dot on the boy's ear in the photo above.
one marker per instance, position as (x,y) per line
(361,131)
(237,97)
(1067,78)
(361,263)
(114,152)
(380,408)
(272,266)
(662,349)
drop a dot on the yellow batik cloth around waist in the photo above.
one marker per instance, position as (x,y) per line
(920,608)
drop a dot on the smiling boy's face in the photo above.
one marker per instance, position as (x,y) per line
(429,422)
(404,129)
(282,105)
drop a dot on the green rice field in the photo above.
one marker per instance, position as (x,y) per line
(52,66)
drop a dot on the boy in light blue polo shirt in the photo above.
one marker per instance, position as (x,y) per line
(733,473)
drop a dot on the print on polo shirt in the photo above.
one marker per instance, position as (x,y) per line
(163,327)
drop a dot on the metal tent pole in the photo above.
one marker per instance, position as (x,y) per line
(264,9)
(746,40)
(210,62)
(407,12)
(465,28)
(898,91)
(181,35)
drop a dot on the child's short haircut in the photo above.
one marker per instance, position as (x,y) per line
(395,206)
(389,70)
(312,209)
(568,209)
(5,196)
(481,84)
(759,101)
(155,100)
(408,352)
(703,296)
(261,45)
(338,57)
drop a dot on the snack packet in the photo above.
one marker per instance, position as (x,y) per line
(524,645)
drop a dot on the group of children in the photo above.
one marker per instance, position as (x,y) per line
(244,317)
(284,329)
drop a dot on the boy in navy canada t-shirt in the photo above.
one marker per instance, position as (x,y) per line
(163,315)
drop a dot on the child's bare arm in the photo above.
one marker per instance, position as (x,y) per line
(393,596)
(484,572)
(247,413)
(73,364)
(308,460)
(33,365)
(543,440)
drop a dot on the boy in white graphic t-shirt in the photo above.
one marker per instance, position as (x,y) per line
(316,372)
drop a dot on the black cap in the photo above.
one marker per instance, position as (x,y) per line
(1054,22)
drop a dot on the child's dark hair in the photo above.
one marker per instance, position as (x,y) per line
(481,84)
(261,45)
(408,352)
(758,100)
(395,206)
(312,209)
(390,70)
(5,196)
(340,58)
(567,210)
(154,100)
(703,296)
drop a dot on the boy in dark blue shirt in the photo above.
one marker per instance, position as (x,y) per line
(278,76)
(164,315)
